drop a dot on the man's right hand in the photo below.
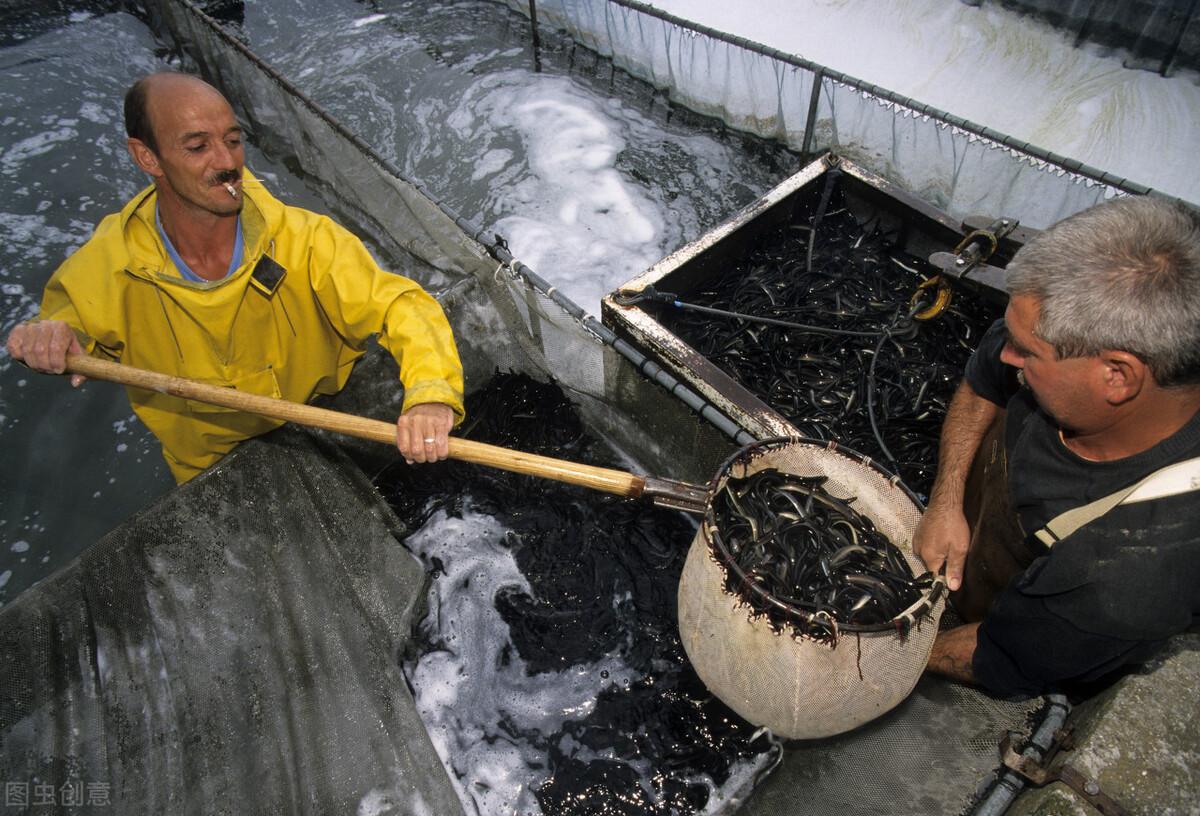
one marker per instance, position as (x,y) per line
(43,345)
(943,537)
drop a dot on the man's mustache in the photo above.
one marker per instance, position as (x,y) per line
(226,177)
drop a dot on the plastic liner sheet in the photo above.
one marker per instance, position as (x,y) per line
(232,649)
(900,763)
(961,171)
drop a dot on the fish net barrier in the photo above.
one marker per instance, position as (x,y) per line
(253,642)
(1160,37)
(959,166)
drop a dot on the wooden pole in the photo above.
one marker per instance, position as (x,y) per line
(609,481)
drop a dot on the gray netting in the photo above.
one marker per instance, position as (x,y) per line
(227,652)
(953,164)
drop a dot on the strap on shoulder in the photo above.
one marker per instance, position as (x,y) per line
(1181,477)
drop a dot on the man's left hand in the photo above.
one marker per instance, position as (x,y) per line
(422,432)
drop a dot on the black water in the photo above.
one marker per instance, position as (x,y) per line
(584,624)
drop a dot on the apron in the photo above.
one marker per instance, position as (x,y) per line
(999,549)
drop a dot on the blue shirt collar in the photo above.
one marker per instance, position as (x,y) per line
(185,271)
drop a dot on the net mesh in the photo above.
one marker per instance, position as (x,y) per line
(799,687)
(960,167)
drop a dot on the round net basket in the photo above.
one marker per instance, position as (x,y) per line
(799,685)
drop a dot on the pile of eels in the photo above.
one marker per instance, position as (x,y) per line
(810,551)
(829,272)
(602,576)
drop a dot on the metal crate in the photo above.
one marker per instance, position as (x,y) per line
(925,230)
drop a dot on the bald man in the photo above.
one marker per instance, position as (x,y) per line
(204,274)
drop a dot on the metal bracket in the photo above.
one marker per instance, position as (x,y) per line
(969,258)
(632,297)
(1018,236)
(1039,774)
(676,495)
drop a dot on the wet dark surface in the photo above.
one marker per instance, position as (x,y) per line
(831,273)
(601,575)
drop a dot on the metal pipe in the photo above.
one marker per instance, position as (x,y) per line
(652,370)
(537,43)
(1010,783)
(811,122)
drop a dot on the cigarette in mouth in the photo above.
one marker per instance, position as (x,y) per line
(229,189)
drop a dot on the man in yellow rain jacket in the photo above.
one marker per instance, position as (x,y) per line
(206,275)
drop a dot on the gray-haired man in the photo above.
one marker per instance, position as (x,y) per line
(1064,510)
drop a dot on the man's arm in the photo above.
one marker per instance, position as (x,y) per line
(360,299)
(944,533)
(953,652)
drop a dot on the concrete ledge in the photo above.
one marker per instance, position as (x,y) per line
(1139,739)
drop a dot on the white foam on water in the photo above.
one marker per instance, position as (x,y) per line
(95,113)
(460,688)
(492,162)
(393,799)
(737,788)
(556,194)
(38,241)
(37,145)
(4,576)
(365,21)
(20,546)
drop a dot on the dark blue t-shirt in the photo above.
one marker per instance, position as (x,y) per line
(1110,593)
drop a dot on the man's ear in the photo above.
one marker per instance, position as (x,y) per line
(1125,375)
(144,157)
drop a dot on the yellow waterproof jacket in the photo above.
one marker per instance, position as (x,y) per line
(123,295)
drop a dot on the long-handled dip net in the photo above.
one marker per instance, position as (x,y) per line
(801,604)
